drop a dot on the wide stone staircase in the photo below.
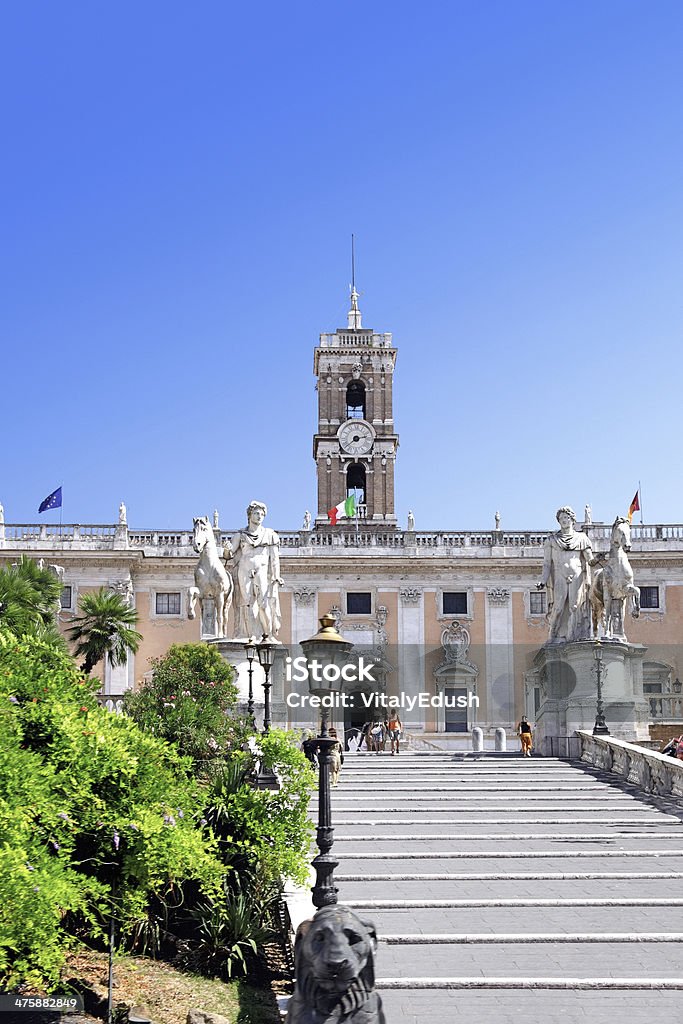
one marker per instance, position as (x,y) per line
(506,888)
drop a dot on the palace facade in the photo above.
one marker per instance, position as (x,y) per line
(444,614)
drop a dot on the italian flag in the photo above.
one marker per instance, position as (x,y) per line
(344,510)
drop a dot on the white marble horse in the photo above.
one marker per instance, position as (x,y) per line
(615,583)
(211,578)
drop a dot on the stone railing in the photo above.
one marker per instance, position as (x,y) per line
(111,701)
(413,742)
(654,773)
(326,540)
(666,707)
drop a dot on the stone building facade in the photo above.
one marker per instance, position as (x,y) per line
(439,613)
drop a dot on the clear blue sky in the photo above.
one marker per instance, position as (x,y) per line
(179,186)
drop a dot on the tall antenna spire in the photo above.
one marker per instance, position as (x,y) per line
(354,316)
(353,263)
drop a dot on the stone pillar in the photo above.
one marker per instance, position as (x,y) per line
(477,739)
(501,743)
(411,659)
(500,669)
(569,690)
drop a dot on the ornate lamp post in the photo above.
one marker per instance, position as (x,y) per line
(600,727)
(266,657)
(250,651)
(326,653)
(266,778)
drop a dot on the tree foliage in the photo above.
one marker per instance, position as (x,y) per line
(190,701)
(96,816)
(104,629)
(29,600)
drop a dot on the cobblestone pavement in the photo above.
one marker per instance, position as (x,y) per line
(505,888)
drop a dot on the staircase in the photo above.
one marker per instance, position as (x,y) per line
(506,888)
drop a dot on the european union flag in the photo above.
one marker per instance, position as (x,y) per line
(53,500)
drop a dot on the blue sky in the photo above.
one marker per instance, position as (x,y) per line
(179,187)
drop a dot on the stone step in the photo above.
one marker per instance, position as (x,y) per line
(467,846)
(580,982)
(512,938)
(551,1006)
(422,903)
(497,876)
(373,864)
(496,919)
(532,960)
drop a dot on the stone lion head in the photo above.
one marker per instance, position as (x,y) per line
(334,958)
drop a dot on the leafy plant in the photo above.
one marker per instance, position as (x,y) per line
(230,933)
(96,817)
(104,629)
(190,701)
(29,599)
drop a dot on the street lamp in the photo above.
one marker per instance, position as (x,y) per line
(266,657)
(266,778)
(326,653)
(250,651)
(600,727)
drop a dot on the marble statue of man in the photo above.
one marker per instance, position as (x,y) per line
(2,516)
(411,522)
(307,520)
(253,557)
(568,557)
(122,514)
(588,515)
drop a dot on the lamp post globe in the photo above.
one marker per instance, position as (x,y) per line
(250,651)
(326,648)
(266,657)
(266,778)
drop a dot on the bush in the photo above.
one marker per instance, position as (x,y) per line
(189,701)
(96,817)
(266,833)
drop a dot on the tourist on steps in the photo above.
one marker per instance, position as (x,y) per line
(525,736)
(394,727)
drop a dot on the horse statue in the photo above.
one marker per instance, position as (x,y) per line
(613,584)
(213,583)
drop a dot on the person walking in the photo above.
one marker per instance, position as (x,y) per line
(525,736)
(394,728)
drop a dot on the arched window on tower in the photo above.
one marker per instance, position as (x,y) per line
(355,400)
(355,482)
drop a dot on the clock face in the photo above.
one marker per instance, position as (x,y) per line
(356,437)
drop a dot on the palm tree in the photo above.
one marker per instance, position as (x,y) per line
(29,599)
(104,629)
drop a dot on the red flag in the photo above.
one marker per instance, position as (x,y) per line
(633,507)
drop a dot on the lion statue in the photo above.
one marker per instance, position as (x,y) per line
(335,971)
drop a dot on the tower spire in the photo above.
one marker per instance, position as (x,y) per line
(354,315)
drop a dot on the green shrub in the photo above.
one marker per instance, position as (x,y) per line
(267,833)
(96,816)
(190,701)
(230,933)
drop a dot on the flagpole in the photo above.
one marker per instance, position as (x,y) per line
(640,502)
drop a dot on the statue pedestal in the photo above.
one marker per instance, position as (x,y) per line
(232,651)
(568,678)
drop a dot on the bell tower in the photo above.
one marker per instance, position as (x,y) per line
(355,445)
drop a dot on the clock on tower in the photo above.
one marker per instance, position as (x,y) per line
(355,445)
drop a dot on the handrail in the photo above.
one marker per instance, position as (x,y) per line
(650,771)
